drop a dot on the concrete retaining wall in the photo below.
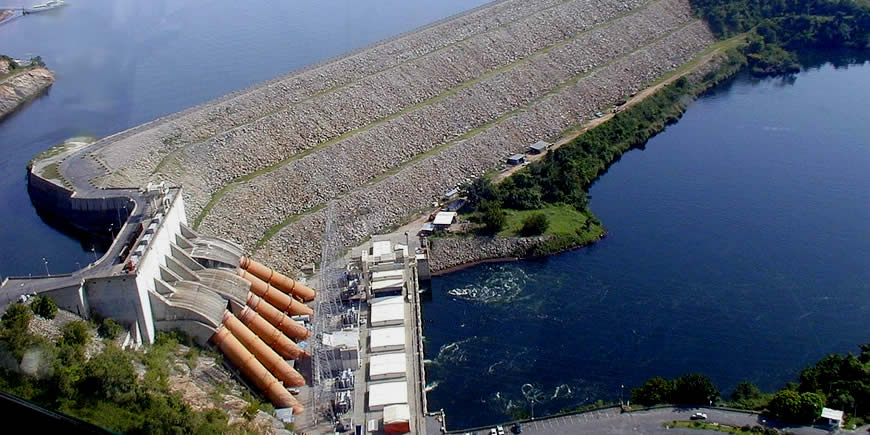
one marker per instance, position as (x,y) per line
(87,214)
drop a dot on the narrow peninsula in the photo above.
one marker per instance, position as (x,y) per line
(21,81)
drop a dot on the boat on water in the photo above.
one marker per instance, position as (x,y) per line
(50,4)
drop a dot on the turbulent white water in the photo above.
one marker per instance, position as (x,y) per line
(504,285)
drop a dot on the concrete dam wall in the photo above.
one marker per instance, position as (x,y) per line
(390,128)
(95,215)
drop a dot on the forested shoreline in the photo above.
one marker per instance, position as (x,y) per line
(836,381)
(773,33)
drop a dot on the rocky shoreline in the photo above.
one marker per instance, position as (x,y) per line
(21,86)
(450,254)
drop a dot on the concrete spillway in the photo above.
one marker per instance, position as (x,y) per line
(161,275)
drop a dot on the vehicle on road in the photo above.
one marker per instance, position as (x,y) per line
(698,416)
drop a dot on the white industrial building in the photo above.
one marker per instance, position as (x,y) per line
(388,287)
(388,366)
(387,339)
(387,311)
(387,393)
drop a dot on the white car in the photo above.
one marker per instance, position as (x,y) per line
(698,416)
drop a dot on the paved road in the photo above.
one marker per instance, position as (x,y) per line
(611,421)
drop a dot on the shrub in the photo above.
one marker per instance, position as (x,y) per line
(535,225)
(44,306)
(492,217)
(17,317)
(694,388)
(745,390)
(478,192)
(76,333)
(795,407)
(110,329)
(654,391)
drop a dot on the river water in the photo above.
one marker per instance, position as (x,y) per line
(120,63)
(738,247)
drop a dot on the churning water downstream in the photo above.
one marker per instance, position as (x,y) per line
(737,248)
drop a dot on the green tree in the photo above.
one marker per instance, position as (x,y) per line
(110,329)
(534,225)
(654,391)
(75,333)
(478,192)
(794,407)
(44,306)
(744,391)
(13,329)
(492,217)
(110,374)
(16,318)
(694,388)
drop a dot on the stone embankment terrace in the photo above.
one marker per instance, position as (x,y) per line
(389,129)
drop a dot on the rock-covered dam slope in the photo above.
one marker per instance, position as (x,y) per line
(388,129)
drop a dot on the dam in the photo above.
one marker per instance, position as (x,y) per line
(326,157)
(386,130)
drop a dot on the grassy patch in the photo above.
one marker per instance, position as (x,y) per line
(703,425)
(51,152)
(563,218)
(51,172)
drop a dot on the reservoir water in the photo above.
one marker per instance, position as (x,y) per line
(738,248)
(120,63)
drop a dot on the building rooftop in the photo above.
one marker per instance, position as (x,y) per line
(444,218)
(380,248)
(387,337)
(388,363)
(832,414)
(387,284)
(382,275)
(540,145)
(388,393)
(388,310)
(347,339)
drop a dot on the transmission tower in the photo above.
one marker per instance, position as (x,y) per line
(327,316)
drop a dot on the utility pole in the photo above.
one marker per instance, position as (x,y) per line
(46,266)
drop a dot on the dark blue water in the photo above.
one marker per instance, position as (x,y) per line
(738,247)
(120,63)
